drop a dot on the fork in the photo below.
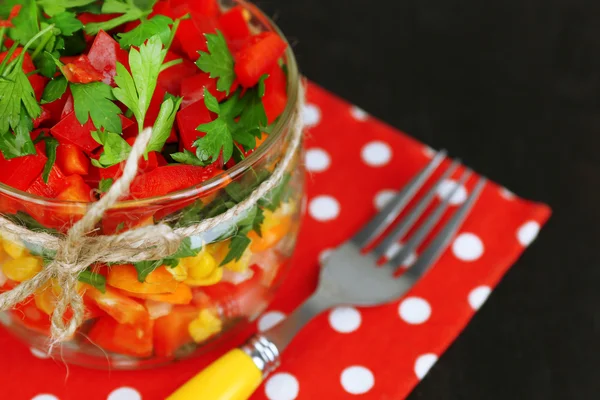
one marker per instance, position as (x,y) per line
(352,275)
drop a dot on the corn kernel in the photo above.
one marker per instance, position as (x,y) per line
(200,266)
(13,249)
(22,269)
(180,272)
(215,277)
(206,325)
(45,299)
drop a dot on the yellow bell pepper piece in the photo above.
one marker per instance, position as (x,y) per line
(206,325)
(22,269)
(180,272)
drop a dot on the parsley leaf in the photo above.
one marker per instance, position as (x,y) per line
(18,144)
(94,279)
(116,149)
(159,25)
(18,107)
(164,123)
(55,89)
(26,24)
(95,100)
(227,128)
(145,268)
(237,247)
(218,62)
(51,145)
(135,90)
(67,22)
(187,157)
(129,10)
(105,185)
(54,7)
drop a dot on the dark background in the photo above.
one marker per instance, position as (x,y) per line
(513,88)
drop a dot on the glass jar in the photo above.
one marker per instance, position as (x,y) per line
(226,294)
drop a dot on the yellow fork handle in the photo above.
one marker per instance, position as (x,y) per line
(232,377)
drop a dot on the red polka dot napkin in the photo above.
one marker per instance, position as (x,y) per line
(356,163)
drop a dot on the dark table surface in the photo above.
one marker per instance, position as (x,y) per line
(513,88)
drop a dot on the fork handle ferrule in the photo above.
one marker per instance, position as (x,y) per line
(263,353)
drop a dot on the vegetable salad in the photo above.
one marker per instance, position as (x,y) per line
(79,80)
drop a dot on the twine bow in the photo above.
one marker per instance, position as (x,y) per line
(77,250)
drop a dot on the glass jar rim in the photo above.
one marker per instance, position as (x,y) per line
(293,83)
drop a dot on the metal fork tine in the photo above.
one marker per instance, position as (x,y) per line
(442,240)
(407,223)
(419,236)
(391,211)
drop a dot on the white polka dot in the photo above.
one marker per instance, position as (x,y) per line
(414,310)
(507,194)
(269,320)
(395,249)
(357,380)
(282,386)
(317,160)
(45,397)
(446,187)
(467,247)
(39,353)
(383,198)
(429,152)
(124,393)
(324,208)
(377,154)
(359,114)
(478,296)
(311,115)
(424,364)
(345,319)
(528,232)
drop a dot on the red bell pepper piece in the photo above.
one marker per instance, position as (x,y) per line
(44,117)
(104,55)
(208,8)
(188,120)
(68,108)
(190,34)
(56,108)
(234,23)
(81,70)
(20,172)
(122,309)
(56,184)
(133,340)
(69,130)
(258,57)
(72,160)
(192,89)
(38,82)
(76,190)
(172,331)
(171,78)
(275,99)
(164,180)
